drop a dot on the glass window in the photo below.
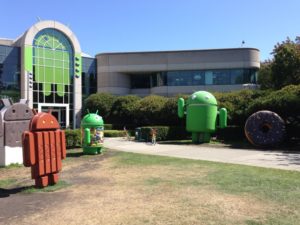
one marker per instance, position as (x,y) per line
(89,77)
(140,81)
(10,72)
(221,77)
(52,64)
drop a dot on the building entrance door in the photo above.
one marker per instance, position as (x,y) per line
(59,111)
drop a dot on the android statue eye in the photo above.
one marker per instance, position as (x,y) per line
(194,96)
(44,121)
(206,97)
(51,121)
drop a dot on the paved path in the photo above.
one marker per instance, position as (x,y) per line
(261,158)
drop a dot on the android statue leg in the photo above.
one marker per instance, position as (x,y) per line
(41,182)
(204,137)
(195,137)
(53,178)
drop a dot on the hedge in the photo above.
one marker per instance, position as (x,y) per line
(108,127)
(153,110)
(73,138)
(164,133)
(114,133)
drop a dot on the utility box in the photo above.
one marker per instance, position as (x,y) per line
(138,134)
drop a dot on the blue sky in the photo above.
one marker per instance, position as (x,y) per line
(154,25)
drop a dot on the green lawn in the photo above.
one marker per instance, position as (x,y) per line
(279,189)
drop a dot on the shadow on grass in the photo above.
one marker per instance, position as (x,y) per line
(243,144)
(6,192)
(286,147)
(74,154)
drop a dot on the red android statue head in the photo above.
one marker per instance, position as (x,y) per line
(44,146)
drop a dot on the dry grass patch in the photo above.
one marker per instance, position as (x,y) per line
(134,189)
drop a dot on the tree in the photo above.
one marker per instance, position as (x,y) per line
(286,65)
(264,78)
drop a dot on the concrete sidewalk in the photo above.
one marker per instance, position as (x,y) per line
(261,158)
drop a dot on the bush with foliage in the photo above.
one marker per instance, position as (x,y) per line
(114,133)
(108,126)
(157,110)
(164,133)
(284,102)
(101,102)
(237,103)
(73,138)
(169,113)
(148,110)
(122,111)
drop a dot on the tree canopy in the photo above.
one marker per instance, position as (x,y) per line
(284,69)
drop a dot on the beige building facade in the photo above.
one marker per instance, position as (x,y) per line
(171,72)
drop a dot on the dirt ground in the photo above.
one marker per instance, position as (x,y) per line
(101,192)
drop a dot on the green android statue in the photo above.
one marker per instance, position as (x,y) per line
(201,111)
(92,127)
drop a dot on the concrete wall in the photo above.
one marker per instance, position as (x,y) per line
(6,42)
(114,68)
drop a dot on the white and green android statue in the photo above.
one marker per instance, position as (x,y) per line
(92,128)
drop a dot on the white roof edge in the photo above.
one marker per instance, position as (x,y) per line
(83,54)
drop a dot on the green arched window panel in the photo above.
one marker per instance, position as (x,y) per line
(53,60)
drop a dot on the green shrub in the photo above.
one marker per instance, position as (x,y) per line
(161,133)
(123,109)
(132,111)
(73,138)
(237,103)
(164,133)
(149,110)
(178,133)
(285,102)
(169,113)
(108,127)
(101,102)
(114,133)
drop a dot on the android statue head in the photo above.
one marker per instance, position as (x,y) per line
(201,111)
(43,121)
(92,129)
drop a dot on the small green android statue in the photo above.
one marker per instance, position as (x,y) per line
(201,111)
(92,127)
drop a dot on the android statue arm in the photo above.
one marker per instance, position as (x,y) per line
(63,144)
(222,118)
(28,149)
(181,110)
(87,136)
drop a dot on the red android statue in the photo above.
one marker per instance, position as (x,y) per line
(44,147)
